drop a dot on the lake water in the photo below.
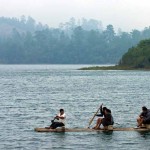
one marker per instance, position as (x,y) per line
(31,95)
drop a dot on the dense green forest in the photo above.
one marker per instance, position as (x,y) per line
(137,57)
(23,41)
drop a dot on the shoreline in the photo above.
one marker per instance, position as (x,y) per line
(114,68)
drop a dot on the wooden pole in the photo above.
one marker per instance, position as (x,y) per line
(90,122)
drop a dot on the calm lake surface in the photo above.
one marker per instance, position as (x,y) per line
(31,95)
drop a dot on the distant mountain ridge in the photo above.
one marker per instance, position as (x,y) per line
(23,41)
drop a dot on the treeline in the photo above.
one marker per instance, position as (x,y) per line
(74,42)
(22,24)
(137,57)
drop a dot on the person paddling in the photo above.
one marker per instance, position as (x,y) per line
(58,121)
(144,117)
(101,115)
(106,120)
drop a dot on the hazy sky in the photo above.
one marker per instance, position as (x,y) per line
(124,14)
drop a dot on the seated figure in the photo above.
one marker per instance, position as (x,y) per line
(59,120)
(106,120)
(144,117)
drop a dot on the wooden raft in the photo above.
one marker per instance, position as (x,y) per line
(88,130)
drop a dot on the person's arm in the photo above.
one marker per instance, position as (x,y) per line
(99,115)
(101,110)
(61,117)
(141,115)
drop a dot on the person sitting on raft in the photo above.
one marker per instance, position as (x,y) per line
(58,121)
(107,120)
(144,117)
(101,115)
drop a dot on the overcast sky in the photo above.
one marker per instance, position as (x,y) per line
(124,14)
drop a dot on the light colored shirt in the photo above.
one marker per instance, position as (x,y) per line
(62,120)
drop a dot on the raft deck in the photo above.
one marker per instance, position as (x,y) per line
(87,129)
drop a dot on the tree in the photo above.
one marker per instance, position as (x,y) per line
(23,19)
(30,24)
(137,57)
(136,36)
(109,33)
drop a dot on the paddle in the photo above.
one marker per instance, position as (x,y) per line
(90,122)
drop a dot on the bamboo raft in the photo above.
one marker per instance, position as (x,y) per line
(88,130)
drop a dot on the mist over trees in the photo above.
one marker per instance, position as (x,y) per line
(23,41)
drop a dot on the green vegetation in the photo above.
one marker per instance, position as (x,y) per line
(23,41)
(136,58)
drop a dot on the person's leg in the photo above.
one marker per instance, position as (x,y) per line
(139,121)
(98,123)
(57,124)
(51,126)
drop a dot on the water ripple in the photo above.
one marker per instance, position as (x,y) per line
(31,96)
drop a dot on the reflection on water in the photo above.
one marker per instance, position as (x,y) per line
(144,134)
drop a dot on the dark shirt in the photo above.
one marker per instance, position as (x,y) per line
(107,120)
(143,114)
(147,116)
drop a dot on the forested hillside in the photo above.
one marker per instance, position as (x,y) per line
(23,41)
(137,57)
